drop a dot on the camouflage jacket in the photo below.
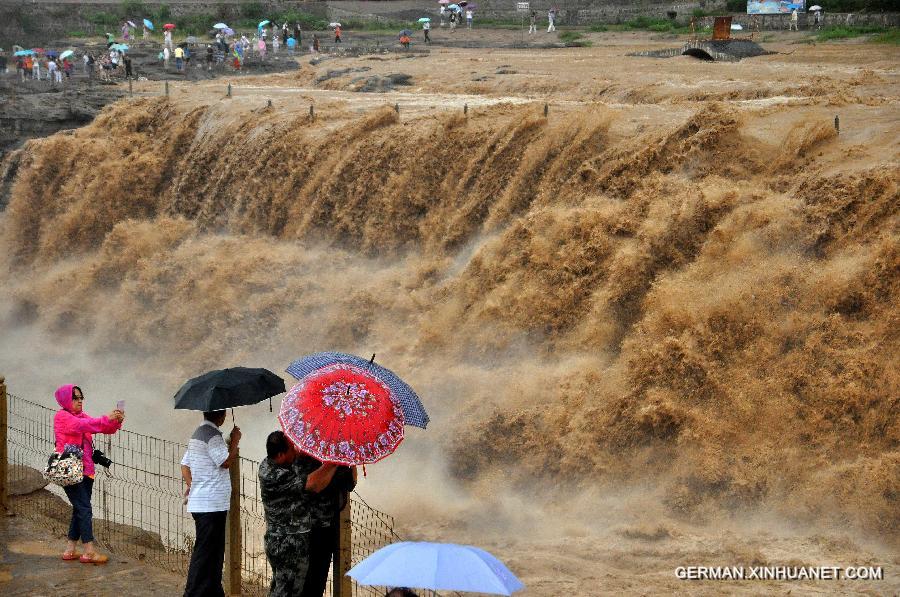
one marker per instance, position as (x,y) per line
(284,496)
(325,505)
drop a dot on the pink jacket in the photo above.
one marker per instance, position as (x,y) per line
(70,428)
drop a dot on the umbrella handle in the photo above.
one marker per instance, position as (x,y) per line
(232,416)
(372,360)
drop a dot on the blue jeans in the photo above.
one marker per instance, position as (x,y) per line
(82,525)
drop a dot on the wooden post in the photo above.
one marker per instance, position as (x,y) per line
(233,547)
(167,89)
(4,464)
(341,584)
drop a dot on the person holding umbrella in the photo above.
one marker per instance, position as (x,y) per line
(337,34)
(205,463)
(286,490)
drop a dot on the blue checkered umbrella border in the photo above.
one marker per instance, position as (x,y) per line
(413,411)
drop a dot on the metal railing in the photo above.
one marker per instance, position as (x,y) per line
(139,509)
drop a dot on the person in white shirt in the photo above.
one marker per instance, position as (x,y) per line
(205,472)
(551,18)
(53,72)
(794,20)
(469,15)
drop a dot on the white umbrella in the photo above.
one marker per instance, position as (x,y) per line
(816,7)
(736,27)
(130,24)
(333,25)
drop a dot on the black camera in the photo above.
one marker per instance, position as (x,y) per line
(101,459)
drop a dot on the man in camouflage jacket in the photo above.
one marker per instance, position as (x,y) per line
(286,489)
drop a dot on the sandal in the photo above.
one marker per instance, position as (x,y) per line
(93,558)
(70,555)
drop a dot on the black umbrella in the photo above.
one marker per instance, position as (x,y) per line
(227,388)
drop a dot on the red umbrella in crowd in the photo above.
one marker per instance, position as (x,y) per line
(168,26)
(343,413)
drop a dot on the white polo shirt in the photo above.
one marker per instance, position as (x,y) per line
(210,483)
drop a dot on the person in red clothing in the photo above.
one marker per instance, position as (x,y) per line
(73,427)
(337,34)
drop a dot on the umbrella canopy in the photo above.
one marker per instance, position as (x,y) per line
(263,24)
(463,2)
(119,47)
(37,50)
(190,39)
(424,20)
(131,23)
(148,24)
(333,25)
(66,54)
(169,26)
(342,414)
(24,53)
(443,1)
(220,26)
(228,388)
(736,27)
(453,7)
(52,54)
(228,31)
(816,7)
(406,32)
(413,411)
(436,566)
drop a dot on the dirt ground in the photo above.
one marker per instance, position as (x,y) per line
(600,544)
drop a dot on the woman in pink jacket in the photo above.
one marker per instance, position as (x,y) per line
(73,426)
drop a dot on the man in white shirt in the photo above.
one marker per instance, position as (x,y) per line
(205,471)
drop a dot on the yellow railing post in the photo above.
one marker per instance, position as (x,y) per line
(233,547)
(4,462)
(341,585)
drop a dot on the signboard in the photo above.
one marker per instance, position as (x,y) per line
(774,7)
(522,7)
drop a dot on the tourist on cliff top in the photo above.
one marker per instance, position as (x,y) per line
(204,469)
(74,428)
(325,510)
(287,489)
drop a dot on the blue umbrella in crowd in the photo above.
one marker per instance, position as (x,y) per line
(220,26)
(438,567)
(263,24)
(66,54)
(406,32)
(424,20)
(119,47)
(52,54)
(24,53)
(148,24)
(413,411)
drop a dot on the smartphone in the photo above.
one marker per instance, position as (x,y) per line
(120,405)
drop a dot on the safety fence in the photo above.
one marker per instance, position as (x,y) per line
(139,503)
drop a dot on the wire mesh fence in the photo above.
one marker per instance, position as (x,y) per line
(139,501)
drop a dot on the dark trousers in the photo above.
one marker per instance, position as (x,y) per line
(204,578)
(323,542)
(82,525)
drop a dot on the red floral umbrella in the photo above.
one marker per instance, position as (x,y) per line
(343,414)
(168,26)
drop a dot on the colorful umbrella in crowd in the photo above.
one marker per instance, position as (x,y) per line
(24,53)
(815,8)
(220,26)
(443,1)
(333,25)
(424,20)
(169,26)
(438,567)
(66,54)
(413,411)
(340,413)
(119,47)
(52,54)
(228,31)
(131,23)
(263,24)
(406,32)
(148,24)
